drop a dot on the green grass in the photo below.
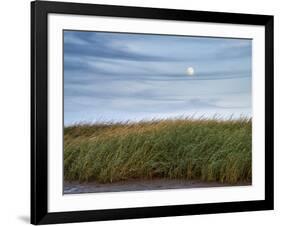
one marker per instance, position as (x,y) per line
(208,150)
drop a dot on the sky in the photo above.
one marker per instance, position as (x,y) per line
(120,76)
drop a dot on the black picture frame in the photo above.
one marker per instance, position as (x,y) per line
(39,112)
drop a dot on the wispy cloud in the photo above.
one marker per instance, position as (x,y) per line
(129,75)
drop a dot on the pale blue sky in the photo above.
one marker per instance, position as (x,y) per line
(119,77)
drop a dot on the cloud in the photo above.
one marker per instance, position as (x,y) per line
(91,45)
(234,52)
(135,76)
(132,47)
(143,77)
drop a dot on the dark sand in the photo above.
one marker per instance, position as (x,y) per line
(139,185)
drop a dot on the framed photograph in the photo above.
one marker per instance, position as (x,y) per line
(145,112)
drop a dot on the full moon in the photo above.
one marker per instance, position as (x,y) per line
(190,71)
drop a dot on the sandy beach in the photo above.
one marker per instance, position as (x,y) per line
(139,185)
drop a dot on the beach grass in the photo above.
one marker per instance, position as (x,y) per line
(183,148)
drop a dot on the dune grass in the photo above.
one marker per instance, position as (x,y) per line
(207,150)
